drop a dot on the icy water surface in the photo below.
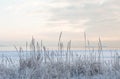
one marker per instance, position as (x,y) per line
(104,53)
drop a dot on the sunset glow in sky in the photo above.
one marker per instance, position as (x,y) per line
(45,19)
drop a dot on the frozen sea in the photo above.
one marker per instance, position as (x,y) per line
(106,54)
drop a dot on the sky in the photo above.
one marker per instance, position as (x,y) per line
(45,19)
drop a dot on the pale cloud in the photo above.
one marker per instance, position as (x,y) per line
(26,6)
(47,17)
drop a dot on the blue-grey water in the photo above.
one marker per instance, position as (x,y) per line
(104,53)
(6,56)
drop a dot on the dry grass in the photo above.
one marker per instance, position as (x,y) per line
(40,63)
